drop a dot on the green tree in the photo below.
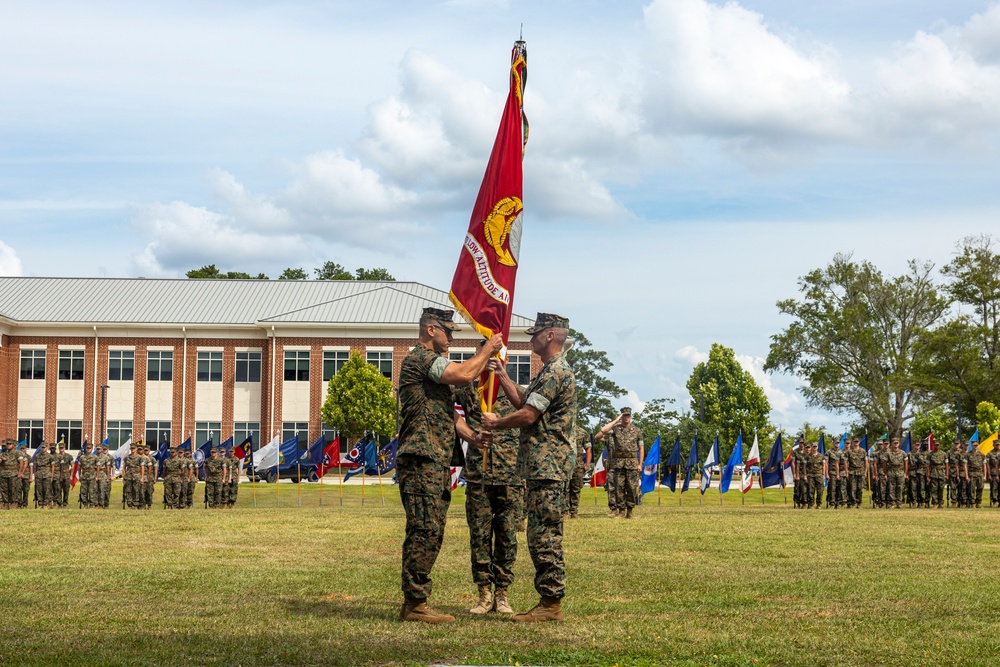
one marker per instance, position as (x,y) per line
(854,340)
(359,398)
(594,390)
(210,271)
(987,419)
(656,418)
(734,402)
(373,274)
(293,274)
(940,421)
(332,271)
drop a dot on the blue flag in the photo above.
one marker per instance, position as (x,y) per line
(314,455)
(974,438)
(226,446)
(863,443)
(843,441)
(161,455)
(907,445)
(692,462)
(772,474)
(385,459)
(650,467)
(288,453)
(735,459)
(184,445)
(822,444)
(673,465)
(358,455)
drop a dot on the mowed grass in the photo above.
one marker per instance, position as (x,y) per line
(311,585)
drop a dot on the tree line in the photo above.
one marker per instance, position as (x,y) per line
(329,271)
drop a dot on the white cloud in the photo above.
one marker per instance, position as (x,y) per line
(632,400)
(10,264)
(691,354)
(720,70)
(783,404)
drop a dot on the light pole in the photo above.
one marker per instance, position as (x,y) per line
(104,404)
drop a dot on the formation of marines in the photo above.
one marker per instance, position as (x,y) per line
(923,477)
(49,470)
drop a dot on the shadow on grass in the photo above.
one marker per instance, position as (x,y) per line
(342,606)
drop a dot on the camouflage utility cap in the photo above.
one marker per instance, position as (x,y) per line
(444,317)
(626,411)
(548,321)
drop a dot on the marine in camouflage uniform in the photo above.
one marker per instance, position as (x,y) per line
(104,466)
(215,470)
(918,476)
(88,477)
(131,477)
(494,504)
(174,472)
(896,463)
(232,488)
(834,457)
(191,481)
(44,472)
(976,462)
(993,467)
(800,463)
(881,459)
(816,471)
(957,475)
(149,484)
(625,444)
(857,464)
(427,448)
(937,477)
(583,449)
(24,476)
(545,458)
(9,466)
(63,463)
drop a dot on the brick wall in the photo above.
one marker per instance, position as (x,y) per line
(184,378)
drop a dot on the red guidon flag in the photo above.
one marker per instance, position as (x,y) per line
(483,287)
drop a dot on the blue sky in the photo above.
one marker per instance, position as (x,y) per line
(688,159)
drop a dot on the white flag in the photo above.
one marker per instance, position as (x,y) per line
(711,462)
(118,456)
(267,456)
(752,460)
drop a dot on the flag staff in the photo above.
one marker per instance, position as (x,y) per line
(322,476)
(340,474)
(253,476)
(720,477)
(277,480)
(378,471)
(364,465)
(656,476)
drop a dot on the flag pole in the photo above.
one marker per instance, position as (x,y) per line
(378,470)
(340,473)
(656,476)
(364,472)
(321,486)
(298,475)
(277,480)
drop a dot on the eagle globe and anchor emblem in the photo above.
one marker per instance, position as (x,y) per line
(503,224)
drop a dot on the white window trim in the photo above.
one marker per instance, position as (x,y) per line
(380,349)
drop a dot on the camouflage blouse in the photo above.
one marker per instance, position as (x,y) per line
(427,407)
(547,449)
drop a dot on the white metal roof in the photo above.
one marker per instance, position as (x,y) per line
(217,301)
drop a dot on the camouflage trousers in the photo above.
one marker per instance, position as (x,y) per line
(103,492)
(132,490)
(43,491)
(836,491)
(955,492)
(425,489)
(25,491)
(918,489)
(895,480)
(975,489)
(148,488)
(935,491)
(229,492)
(189,487)
(855,487)
(172,493)
(623,483)
(876,489)
(213,491)
(814,493)
(574,488)
(493,513)
(60,491)
(88,492)
(801,490)
(995,491)
(8,490)
(545,501)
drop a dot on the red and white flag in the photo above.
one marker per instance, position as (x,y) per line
(600,475)
(752,460)
(483,287)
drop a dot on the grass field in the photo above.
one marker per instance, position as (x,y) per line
(310,585)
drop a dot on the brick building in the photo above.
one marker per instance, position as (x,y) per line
(168,359)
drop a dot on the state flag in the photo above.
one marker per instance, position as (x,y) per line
(753,459)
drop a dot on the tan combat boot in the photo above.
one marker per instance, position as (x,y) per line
(417,610)
(485,603)
(500,602)
(612,514)
(628,513)
(547,609)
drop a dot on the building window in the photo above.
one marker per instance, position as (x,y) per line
(205,431)
(460,356)
(244,430)
(289,429)
(32,365)
(382,361)
(118,433)
(248,367)
(121,365)
(157,432)
(519,368)
(296,366)
(29,431)
(70,431)
(70,364)
(209,367)
(159,366)
(333,361)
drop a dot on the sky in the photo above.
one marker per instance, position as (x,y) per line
(688,160)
